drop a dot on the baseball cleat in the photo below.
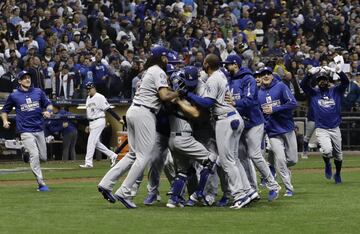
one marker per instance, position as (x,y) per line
(209,200)
(190,203)
(127,202)
(173,204)
(337,178)
(304,156)
(240,203)
(43,188)
(328,171)
(151,198)
(85,166)
(273,195)
(107,194)
(289,193)
(254,196)
(224,201)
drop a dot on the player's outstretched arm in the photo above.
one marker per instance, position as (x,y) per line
(167,95)
(188,109)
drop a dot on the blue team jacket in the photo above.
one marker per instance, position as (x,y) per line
(245,93)
(327,104)
(29,106)
(56,125)
(283,102)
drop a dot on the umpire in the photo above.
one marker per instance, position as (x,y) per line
(31,107)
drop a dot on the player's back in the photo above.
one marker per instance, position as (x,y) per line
(217,88)
(147,94)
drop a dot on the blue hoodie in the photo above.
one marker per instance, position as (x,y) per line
(245,93)
(29,106)
(326,104)
(283,102)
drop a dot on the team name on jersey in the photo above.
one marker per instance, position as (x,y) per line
(271,103)
(29,105)
(326,102)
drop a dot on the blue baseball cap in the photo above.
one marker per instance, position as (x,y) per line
(257,73)
(265,69)
(21,74)
(233,59)
(158,51)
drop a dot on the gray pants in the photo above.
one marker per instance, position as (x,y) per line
(162,159)
(185,147)
(330,142)
(284,147)
(34,143)
(227,141)
(142,138)
(252,140)
(69,143)
(310,128)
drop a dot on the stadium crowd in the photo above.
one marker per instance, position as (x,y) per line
(66,43)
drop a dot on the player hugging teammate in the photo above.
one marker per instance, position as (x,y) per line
(214,130)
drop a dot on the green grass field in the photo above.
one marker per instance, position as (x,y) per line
(75,206)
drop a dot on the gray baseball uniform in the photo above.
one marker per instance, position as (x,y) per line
(228,128)
(252,143)
(141,121)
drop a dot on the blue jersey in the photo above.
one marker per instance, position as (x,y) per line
(279,96)
(326,104)
(56,124)
(29,106)
(245,94)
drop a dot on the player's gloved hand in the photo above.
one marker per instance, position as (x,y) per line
(339,61)
(328,69)
(314,70)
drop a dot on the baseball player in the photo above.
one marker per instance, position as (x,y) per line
(228,128)
(96,105)
(184,147)
(31,107)
(141,121)
(326,102)
(277,104)
(245,95)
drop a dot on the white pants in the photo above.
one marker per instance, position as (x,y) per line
(330,142)
(96,127)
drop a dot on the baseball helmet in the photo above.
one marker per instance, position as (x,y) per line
(170,69)
(191,76)
(173,58)
(257,73)
(90,85)
(21,74)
